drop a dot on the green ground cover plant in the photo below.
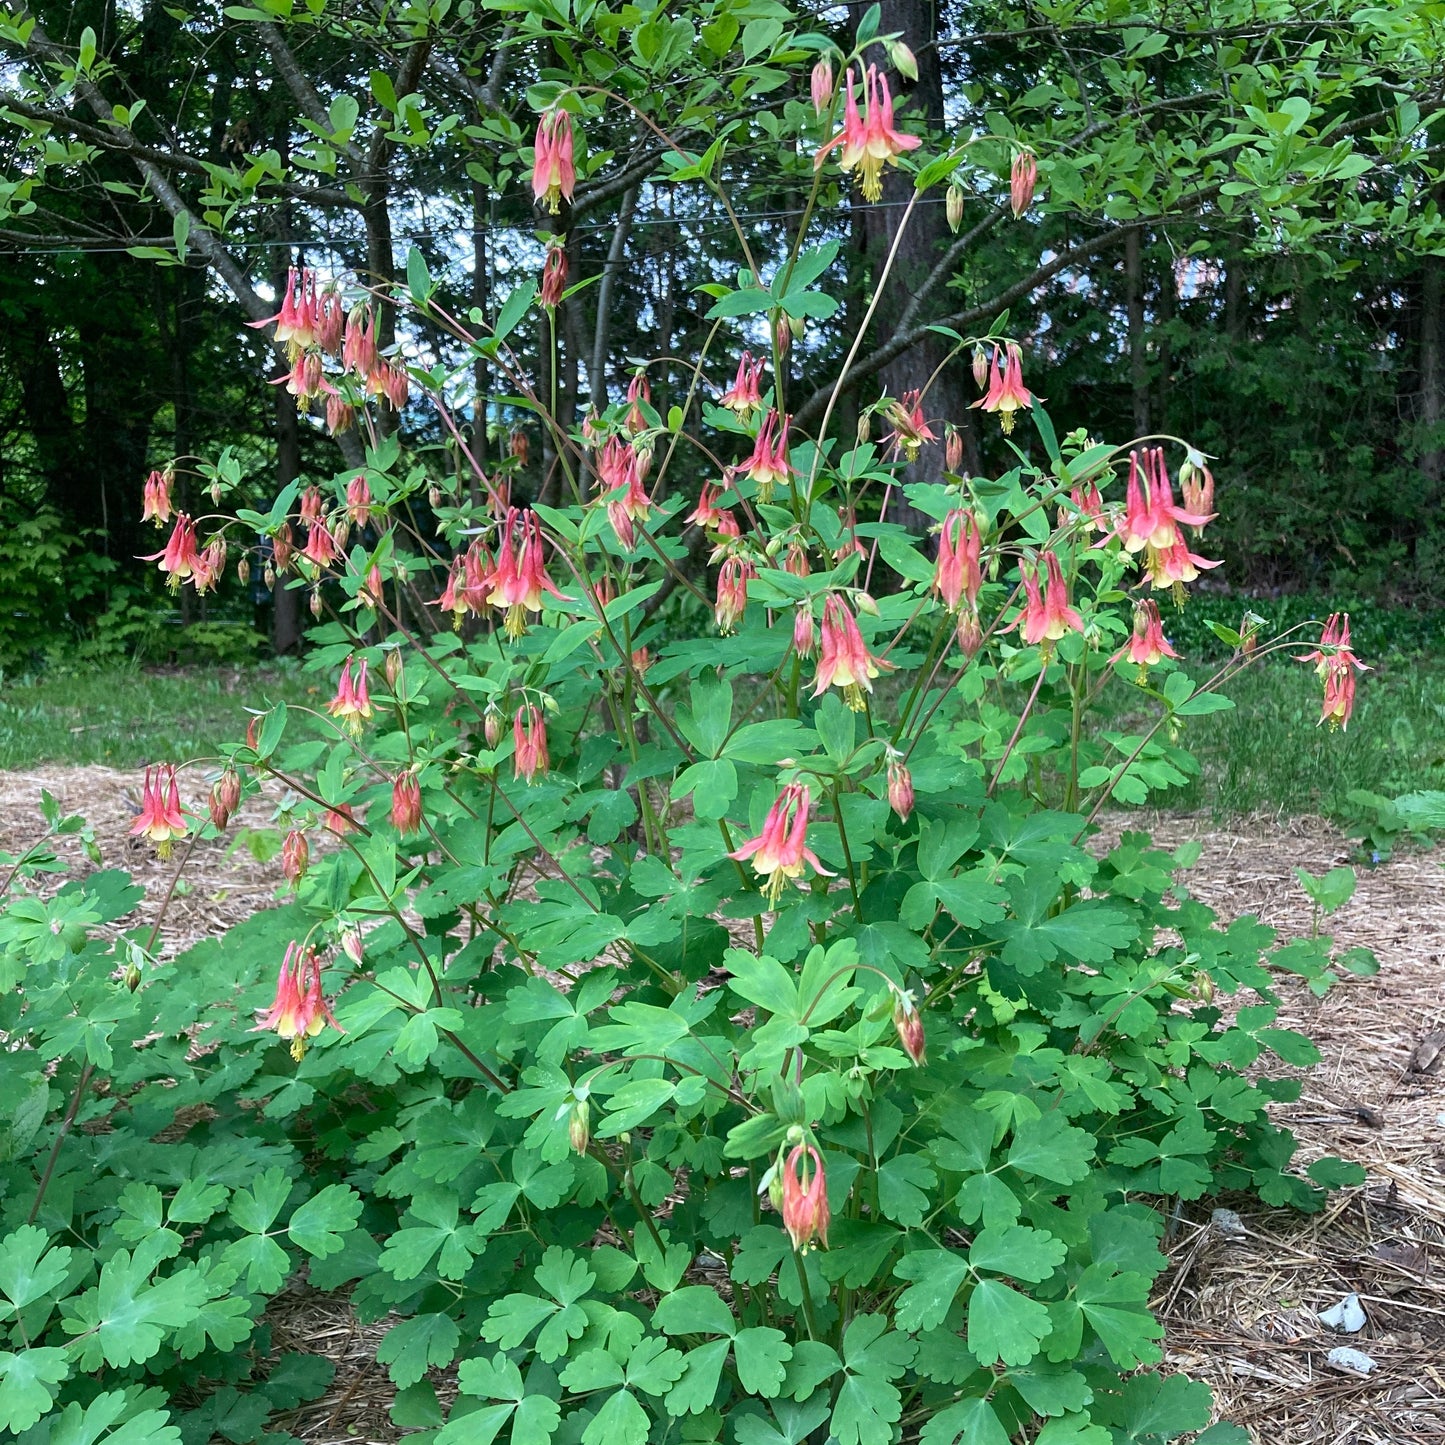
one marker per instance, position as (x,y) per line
(688,1039)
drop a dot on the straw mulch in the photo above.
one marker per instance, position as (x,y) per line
(1241,1300)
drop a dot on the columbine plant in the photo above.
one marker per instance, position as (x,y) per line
(707,1011)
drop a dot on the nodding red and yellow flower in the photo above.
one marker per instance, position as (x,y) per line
(300,1010)
(478,577)
(340,415)
(768,464)
(1046,619)
(452,599)
(296,321)
(848,544)
(952,448)
(306,379)
(1148,646)
(900,788)
(820,85)
(1090,506)
(520,579)
(340,821)
(1023,176)
(352,704)
(744,396)
(320,547)
(780,850)
(1337,664)
(707,513)
(210,566)
(554,172)
(358,501)
(869,141)
(554,275)
(181,555)
(283,548)
(844,660)
(225,798)
(406,803)
(618,469)
(161,819)
(156,499)
(330,321)
(1006,393)
(908,1021)
(795,559)
(805,633)
(295,855)
(732,592)
(970,632)
(529,738)
(727,533)
(910,427)
(358,347)
(959,573)
(312,506)
(395,386)
(639,393)
(1196,485)
(805,1198)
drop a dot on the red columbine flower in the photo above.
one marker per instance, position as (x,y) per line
(732,592)
(1006,390)
(728,532)
(295,855)
(871,141)
(845,661)
(952,448)
(225,798)
(959,573)
(358,501)
(1337,664)
(910,428)
(320,546)
(805,634)
(296,320)
(406,803)
(707,513)
(554,275)
(451,599)
(161,819)
(780,850)
(617,468)
(743,396)
(330,321)
(313,504)
(156,499)
(1148,646)
(768,464)
(1090,505)
(821,85)
(520,578)
(394,384)
(805,1198)
(1196,483)
(518,445)
(554,174)
(180,557)
(352,703)
(306,379)
(1048,618)
(1022,178)
(529,739)
(909,1023)
(300,1011)
(479,575)
(639,392)
(358,346)
(900,788)
(795,559)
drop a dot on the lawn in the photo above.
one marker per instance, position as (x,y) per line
(125,717)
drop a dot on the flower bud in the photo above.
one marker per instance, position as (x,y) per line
(953,207)
(351,944)
(805,1198)
(782,337)
(579,1125)
(980,367)
(243,571)
(1022,178)
(268,576)
(316,602)
(805,637)
(519,445)
(492,726)
(215,494)
(406,803)
(865,604)
(434,496)
(909,1024)
(952,448)
(865,427)
(253,731)
(821,85)
(391,668)
(970,632)
(131,976)
(902,59)
(900,789)
(1203,987)
(229,785)
(295,854)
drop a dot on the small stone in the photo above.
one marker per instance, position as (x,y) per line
(1348,1361)
(1348,1316)
(1228,1225)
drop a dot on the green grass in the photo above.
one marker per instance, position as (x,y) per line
(126,717)
(1269,754)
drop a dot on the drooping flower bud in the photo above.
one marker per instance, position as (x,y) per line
(295,855)
(253,731)
(243,570)
(406,803)
(782,338)
(970,632)
(953,207)
(492,726)
(821,85)
(554,276)
(351,943)
(902,59)
(909,1023)
(215,490)
(358,501)
(900,789)
(391,668)
(952,448)
(805,633)
(315,603)
(805,1198)
(579,1125)
(980,367)
(1022,178)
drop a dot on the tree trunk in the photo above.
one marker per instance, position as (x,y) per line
(1432,380)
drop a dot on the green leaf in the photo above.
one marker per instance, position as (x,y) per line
(28,1271)
(621,1421)
(514,308)
(969,1422)
(417,1345)
(697,1386)
(936,1275)
(255,1209)
(1004,1325)
(761,1354)
(27,1382)
(903,1185)
(1018,1251)
(125,1318)
(1049,1148)
(318,1226)
(696,1309)
(1117,1307)
(763,981)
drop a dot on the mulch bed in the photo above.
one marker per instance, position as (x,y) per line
(1241,1300)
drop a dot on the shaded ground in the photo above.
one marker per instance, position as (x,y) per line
(1240,1309)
